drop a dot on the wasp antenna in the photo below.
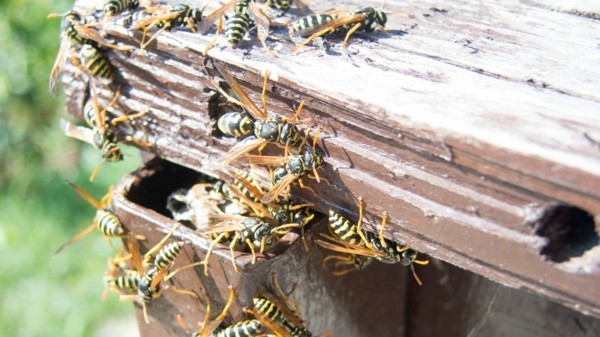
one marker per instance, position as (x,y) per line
(96,170)
(316,137)
(415,275)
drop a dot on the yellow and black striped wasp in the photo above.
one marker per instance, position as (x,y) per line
(165,18)
(292,167)
(239,233)
(285,213)
(246,14)
(279,315)
(120,276)
(97,134)
(254,123)
(363,19)
(80,42)
(351,239)
(102,132)
(105,220)
(153,270)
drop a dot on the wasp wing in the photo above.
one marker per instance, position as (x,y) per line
(262,22)
(154,20)
(92,34)
(277,189)
(86,196)
(224,228)
(242,148)
(265,160)
(78,132)
(55,73)
(76,238)
(341,246)
(210,19)
(134,250)
(247,103)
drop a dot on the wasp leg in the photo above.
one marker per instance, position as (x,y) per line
(301,184)
(210,249)
(145,44)
(191,265)
(190,24)
(350,32)
(312,37)
(359,224)
(214,40)
(383,222)
(231,250)
(263,96)
(251,246)
(138,142)
(129,118)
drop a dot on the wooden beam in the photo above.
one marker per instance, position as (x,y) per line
(475,126)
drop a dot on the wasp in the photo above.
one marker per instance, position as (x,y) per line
(97,135)
(120,278)
(287,214)
(256,124)
(175,16)
(370,245)
(101,133)
(110,151)
(347,236)
(284,319)
(152,272)
(105,220)
(238,24)
(363,19)
(308,160)
(251,232)
(76,34)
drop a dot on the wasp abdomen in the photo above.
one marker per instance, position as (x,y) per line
(301,26)
(236,28)
(92,59)
(109,224)
(344,229)
(167,255)
(247,328)
(235,124)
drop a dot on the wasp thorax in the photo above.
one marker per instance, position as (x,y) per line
(268,131)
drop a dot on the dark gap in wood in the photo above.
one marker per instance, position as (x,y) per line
(156,188)
(570,232)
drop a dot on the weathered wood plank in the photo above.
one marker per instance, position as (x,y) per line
(469,126)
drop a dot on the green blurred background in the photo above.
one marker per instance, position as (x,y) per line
(45,294)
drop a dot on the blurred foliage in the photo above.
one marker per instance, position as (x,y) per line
(45,294)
